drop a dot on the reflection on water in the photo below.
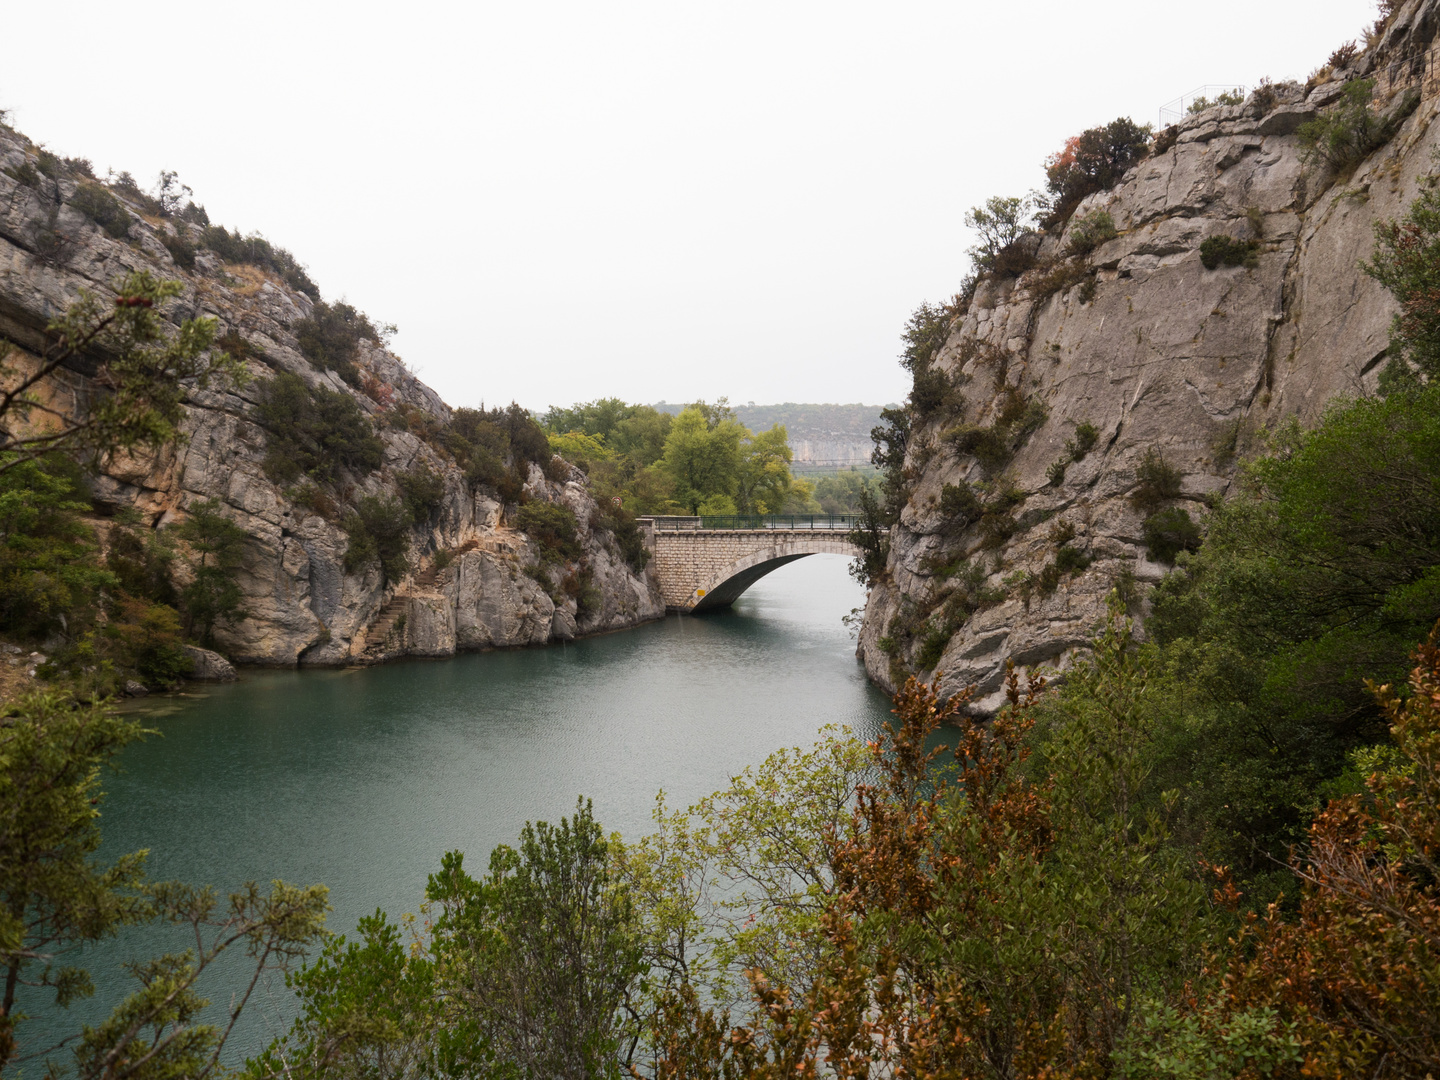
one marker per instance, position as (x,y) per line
(361,779)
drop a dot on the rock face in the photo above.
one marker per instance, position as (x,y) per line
(303,607)
(1161,355)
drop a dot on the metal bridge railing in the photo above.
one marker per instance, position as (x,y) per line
(843,522)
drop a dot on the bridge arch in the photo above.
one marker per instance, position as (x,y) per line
(707,569)
(725,587)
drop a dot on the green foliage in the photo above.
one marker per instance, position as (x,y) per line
(540,954)
(1407,262)
(315,432)
(993,445)
(715,465)
(636,432)
(1156,482)
(1089,232)
(103,208)
(702,459)
(1001,224)
(1225,97)
(49,574)
(255,250)
(1086,436)
(56,898)
(1347,132)
(839,493)
(1210,1043)
(379,530)
(623,527)
(369,1008)
(740,881)
(329,337)
(213,595)
(1169,532)
(149,365)
(1221,250)
(496,447)
(146,639)
(871,536)
(891,440)
(1092,161)
(423,492)
(1319,574)
(553,527)
(56,894)
(960,506)
(141,559)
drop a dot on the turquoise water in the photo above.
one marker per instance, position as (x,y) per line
(362,779)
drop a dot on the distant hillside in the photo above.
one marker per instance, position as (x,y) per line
(822,436)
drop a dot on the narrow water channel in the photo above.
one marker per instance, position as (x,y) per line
(362,779)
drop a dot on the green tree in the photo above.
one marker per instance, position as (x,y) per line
(55,897)
(763,480)
(1000,222)
(213,595)
(1407,262)
(49,574)
(315,432)
(142,558)
(54,894)
(702,458)
(142,367)
(541,954)
(379,529)
(1317,575)
(370,1009)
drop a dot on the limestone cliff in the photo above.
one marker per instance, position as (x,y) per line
(1159,353)
(303,607)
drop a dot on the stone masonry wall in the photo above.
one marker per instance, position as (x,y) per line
(688,560)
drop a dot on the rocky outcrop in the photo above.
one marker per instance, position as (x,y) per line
(209,666)
(1161,355)
(301,605)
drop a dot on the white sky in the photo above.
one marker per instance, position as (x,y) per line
(558,201)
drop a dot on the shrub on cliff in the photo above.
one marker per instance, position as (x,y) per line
(622,526)
(379,530)
(255,250)
(315,432)
(1169,532)
(1090,232)
(553,527)
(1347,131)
(1407,262)
(104,209)
(330,337)
(1222,250)
(423,491)
(149,365)
(1002,224)
(217,546)
(1091,161)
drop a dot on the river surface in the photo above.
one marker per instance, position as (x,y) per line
(363,778)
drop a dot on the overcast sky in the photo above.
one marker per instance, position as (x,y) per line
(561,201)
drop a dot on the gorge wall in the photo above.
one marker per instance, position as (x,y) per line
(1162,355)
(301,604)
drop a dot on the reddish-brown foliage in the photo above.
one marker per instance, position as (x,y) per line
(1360,967)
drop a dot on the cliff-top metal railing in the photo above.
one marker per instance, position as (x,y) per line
(844,522)
(1172,112)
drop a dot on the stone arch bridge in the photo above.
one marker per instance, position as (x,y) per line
(704,564)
